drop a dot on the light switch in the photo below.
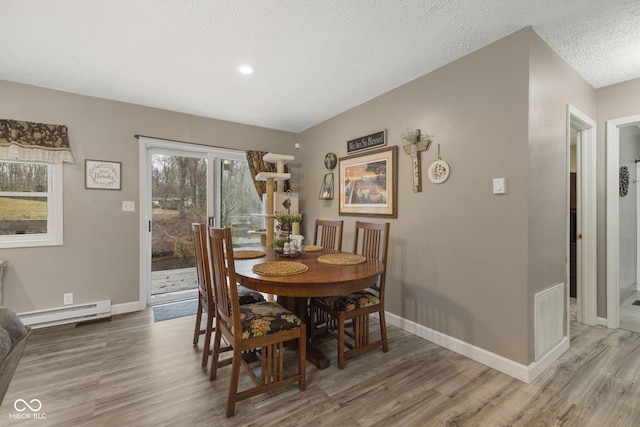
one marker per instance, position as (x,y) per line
(128,206)
(499,186)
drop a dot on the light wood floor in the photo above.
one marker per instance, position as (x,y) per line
(629,314)
(133,372)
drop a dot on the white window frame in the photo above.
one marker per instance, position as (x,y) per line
(54,195)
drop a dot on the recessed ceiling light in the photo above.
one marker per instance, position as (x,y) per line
(247,70)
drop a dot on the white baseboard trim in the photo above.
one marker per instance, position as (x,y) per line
(127,307)
(601,321)
(507,366)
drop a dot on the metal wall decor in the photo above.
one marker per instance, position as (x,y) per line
(326,189)
(624,181)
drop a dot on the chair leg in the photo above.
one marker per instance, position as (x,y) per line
(233,383)
(206,351)
(312,320)
(196,332)
(216,353)
(341,334)
(383,331)
(302,357)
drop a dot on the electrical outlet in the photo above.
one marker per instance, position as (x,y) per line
(68,299)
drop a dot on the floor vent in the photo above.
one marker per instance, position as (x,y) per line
(549,309)
(94,321)
(66,314)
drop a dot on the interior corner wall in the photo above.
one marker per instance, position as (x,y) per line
(100,256)
(458,253)
(553,84)
(628,211)
(613,102)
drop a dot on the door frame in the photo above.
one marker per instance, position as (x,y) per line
(587,209)
(145,144)
(613,212)
(637,226)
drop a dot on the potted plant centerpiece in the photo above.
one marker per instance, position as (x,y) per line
(278,244)
(282,242)
(285,219)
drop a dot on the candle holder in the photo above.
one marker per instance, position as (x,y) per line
(326,189)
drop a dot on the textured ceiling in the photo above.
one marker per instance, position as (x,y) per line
(314,58)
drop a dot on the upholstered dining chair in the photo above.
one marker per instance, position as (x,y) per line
(260,330)
(206,301)
(328,234)
(348,315)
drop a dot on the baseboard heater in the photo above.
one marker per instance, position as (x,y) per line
(66,314)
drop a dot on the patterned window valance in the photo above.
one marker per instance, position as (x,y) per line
(30,141)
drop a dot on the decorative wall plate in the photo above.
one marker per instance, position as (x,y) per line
(330,161)
(438,171)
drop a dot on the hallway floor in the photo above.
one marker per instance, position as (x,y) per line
(630,314)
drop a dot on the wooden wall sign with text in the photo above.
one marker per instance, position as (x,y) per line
(377,139)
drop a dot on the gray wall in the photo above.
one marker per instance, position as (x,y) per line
(552,85)
(613,102)
(628,211)
(99,258)
(463,261)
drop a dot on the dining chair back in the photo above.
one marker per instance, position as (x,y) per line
(372,241)
(206,298)
(206,304)
(328,234)
(346,317)
(257,332)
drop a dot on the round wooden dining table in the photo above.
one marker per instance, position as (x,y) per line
(320,279)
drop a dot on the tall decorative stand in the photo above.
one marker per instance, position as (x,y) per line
(273,179)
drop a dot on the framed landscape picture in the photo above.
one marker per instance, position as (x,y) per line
(102,174)
(368,183)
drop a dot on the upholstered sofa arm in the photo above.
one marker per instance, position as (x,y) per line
(13,339)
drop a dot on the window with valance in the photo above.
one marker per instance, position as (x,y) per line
(34,142)
(31,187)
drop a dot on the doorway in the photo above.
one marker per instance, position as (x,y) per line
(623,151)
(581,213)
(180,184)
(179,197)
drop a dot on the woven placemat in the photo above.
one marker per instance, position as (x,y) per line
(313,248)
(341,259)
(245,254)
(279,268)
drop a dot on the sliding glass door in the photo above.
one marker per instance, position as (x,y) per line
(178,199)
(182,184)
(239,202)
